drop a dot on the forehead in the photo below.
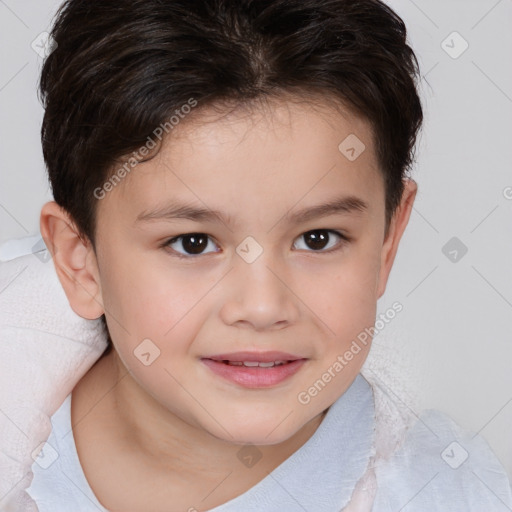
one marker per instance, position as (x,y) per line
(278,153)
(285,120)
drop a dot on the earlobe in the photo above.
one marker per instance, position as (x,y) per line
(396,230)
(74,259)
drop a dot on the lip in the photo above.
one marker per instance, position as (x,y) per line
(255,377)
(264,357)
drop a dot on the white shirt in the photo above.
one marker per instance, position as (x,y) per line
(439,467)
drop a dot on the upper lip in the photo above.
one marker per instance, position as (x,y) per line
(263,357)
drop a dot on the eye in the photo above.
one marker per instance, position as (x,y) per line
(319,239)
(195,244)
(192,243)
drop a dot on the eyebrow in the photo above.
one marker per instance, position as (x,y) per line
(342,205)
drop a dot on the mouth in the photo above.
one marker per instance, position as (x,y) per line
(255,369)
(254,364)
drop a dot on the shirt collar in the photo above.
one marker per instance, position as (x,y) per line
(322,474)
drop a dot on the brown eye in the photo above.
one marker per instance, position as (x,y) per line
(319,239)
(191,243)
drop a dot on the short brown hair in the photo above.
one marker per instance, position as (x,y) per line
(121,68)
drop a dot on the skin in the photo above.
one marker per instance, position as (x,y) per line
(165,437)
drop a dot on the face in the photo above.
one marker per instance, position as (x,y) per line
(216,250)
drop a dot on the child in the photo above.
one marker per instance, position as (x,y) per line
(230,193)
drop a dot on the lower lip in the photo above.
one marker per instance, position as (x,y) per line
(254,377)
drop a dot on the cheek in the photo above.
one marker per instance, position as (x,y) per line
(146,301)
(343,295)
(154,301)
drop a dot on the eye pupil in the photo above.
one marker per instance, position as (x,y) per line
(195,243)
(318,239)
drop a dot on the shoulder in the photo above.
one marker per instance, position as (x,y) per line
(59,484)
(441,466)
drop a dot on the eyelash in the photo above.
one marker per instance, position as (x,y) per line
(344,241)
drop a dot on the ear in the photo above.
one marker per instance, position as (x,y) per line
(74,259)
(396,230)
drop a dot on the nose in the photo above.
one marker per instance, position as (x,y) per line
(258,295)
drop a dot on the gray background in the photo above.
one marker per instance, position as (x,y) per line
(451,346)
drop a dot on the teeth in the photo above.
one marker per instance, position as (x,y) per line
(266,365)
(253,364)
